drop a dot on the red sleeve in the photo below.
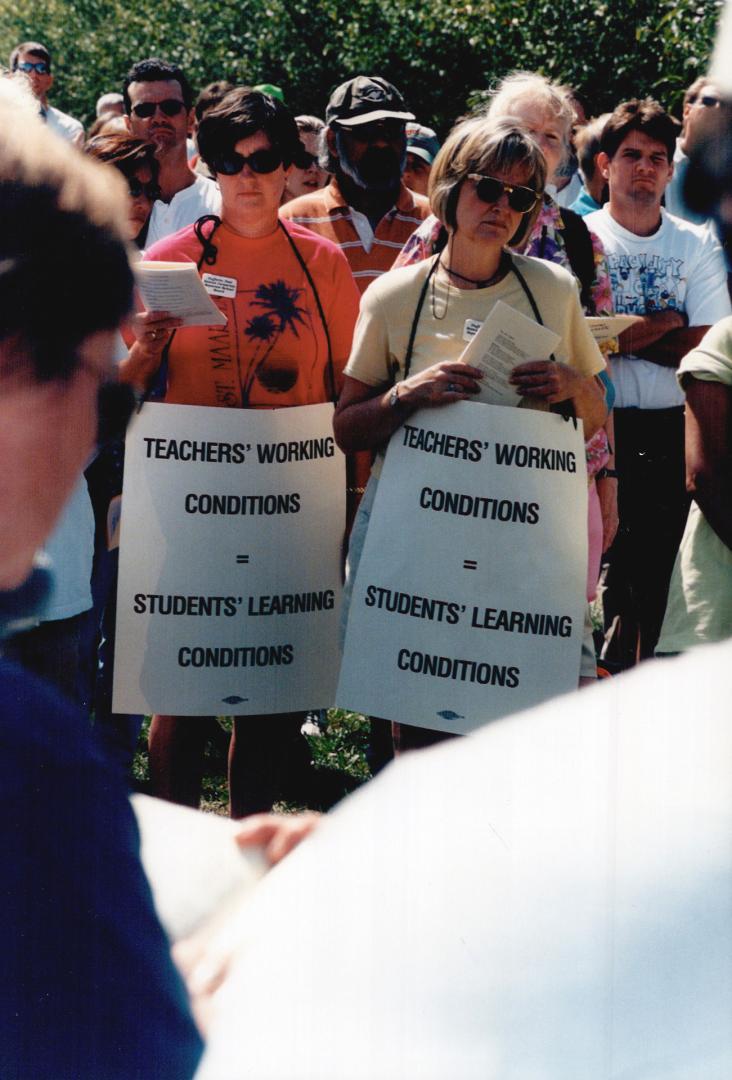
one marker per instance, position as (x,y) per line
(183,246)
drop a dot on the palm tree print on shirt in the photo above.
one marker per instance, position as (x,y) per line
(281,312)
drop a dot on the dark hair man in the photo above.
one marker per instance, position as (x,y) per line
(89,990)
(33,60)
(158,103)
(670,275)
(366,208)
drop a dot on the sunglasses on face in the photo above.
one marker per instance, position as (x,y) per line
(39,66)
(261,161)
(489,190)
(390,130)
(306,160)
(169,107)
(150,190)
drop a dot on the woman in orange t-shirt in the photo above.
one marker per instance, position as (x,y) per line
(291,305)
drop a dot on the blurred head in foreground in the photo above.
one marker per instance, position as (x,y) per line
(65,284)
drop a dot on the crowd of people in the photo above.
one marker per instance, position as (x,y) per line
(391,242)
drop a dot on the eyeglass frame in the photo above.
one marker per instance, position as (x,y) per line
(151,190)
(41,67)
(145,110)
(246,159)
(506,189)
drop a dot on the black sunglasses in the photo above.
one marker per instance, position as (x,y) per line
(261,161)
(150,190)
(169,107)
(40,66)
(489,190)
(116,402)
(306,160)
(389,130)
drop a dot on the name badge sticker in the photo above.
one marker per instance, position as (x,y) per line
(471,328)
(216,285)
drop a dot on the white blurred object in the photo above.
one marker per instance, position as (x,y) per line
(720,70)
(193,863)
(548,899)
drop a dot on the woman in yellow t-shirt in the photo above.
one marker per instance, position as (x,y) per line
(486,189)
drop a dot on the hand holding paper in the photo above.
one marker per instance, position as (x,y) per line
(546,379)
(505,340)
(177,289)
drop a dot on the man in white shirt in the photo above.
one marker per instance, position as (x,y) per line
(670,275)
(34,61)
(158,103)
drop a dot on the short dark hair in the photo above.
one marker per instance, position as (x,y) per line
(243,112)
(154,70)
(124,152)
(211,95)
(34,48)
(589,144)
(643,115)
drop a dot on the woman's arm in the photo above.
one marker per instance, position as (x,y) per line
(152,330)
(367,416)
(709,452)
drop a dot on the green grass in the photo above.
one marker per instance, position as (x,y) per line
(338,757)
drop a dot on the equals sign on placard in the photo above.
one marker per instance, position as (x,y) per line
(242,559)
(470,564)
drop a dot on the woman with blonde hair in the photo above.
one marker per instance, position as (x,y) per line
(486,189)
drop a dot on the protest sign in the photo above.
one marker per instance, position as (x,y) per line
(229,581)
(469,598)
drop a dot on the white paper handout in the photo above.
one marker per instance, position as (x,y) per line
(606,327)
(176,287)
(505,339)
(193,863)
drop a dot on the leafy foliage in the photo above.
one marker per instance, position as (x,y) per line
(441,53)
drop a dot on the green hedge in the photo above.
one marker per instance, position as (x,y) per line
(440,53)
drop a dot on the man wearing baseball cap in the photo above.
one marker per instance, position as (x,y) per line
(366,208)
(422,147)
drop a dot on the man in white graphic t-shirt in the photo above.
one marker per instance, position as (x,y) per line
(670,274)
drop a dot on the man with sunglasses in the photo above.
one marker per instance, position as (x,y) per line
(700,111)
(158,105)
(366,209)
(33,60)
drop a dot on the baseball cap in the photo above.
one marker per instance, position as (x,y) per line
(363,100)
(271,89)
(423,142)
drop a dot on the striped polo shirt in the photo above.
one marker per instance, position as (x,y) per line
(369,253)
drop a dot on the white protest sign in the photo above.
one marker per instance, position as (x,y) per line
(229,572)
(469,597)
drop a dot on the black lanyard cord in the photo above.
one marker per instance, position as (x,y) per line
(321,313)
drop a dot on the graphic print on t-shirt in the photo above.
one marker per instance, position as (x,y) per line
(266,354)
(280,311)
(646,283)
